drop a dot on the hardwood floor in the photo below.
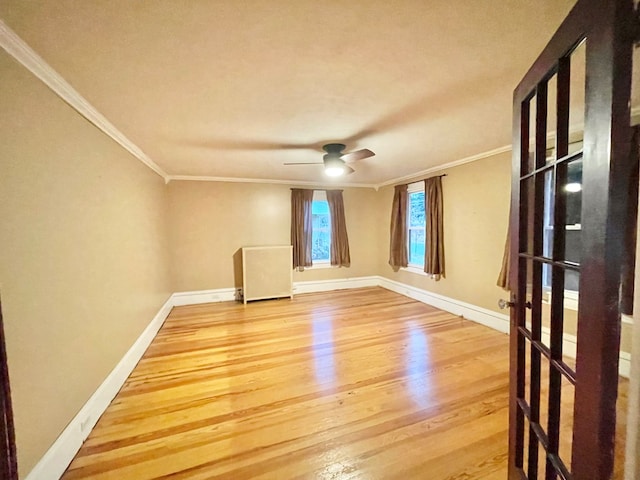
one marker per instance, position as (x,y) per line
(358,384)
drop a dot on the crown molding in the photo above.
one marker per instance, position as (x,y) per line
(444,166)
(28,58)
(197,178)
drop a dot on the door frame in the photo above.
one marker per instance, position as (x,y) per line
(609,28)
(8,460)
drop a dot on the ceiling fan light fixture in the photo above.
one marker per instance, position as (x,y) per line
(334,167)
(334,171)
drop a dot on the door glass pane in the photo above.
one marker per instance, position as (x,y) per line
(552,108)
(577,90)
(544,393)
(553,423)
(552,322)
(530,163)
(534,391)
(527,370)
(525,462)
(528,294)
(570,325)
(573,194)
(536,302)
(547,236)
(546,319)
(566,421)
(528,198)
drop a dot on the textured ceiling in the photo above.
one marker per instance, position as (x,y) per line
(234,89)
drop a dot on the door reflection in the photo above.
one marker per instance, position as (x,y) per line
(416,364)
(324,363)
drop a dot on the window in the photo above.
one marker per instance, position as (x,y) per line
(320,229)
(416,225)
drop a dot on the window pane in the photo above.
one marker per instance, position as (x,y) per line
(320,207)
(416,209)
(320,231)
(416,233)
(416,246)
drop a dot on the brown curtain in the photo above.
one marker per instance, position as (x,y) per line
(398,256)
(503,278)
(434,234)
(339,239)
(301,200)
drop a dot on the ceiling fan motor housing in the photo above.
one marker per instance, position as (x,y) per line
(334,148)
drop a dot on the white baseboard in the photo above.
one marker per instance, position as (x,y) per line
(489,318)
(56,460)
(337,284)
(624,367)
(203,296)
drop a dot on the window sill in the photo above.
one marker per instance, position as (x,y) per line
(414,269)
(321,265)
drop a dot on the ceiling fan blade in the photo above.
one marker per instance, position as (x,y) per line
(305,163)
(349,170)
(357,155)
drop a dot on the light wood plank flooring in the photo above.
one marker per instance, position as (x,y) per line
(358,384)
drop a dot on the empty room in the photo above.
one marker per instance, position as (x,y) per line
(319,239)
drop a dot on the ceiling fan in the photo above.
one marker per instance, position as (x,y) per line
(335,162)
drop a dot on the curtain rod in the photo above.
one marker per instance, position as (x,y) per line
(329,189)
(426,178)
(318,189)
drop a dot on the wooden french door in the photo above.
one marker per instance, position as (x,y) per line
(569,201)
(8,465)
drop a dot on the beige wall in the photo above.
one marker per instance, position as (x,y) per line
(83,257)
(476,209)
(210,221)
